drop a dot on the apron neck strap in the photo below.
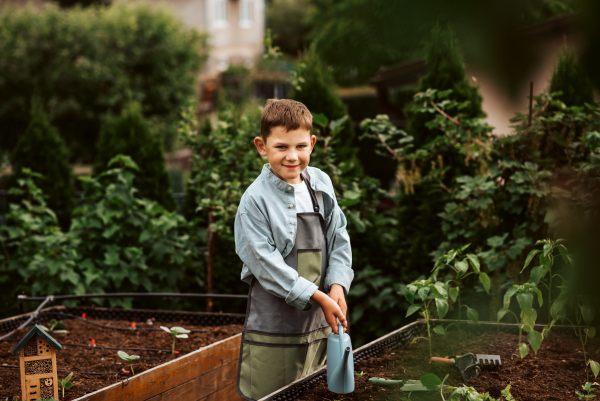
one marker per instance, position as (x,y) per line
(313,196)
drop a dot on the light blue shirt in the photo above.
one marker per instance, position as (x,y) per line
(265,231)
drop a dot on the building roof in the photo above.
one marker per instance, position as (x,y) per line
(39,331)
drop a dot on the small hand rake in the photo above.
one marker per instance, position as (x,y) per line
(470,365)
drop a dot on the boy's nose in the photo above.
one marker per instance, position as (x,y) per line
(291,156)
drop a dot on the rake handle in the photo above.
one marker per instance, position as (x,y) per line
(445,361)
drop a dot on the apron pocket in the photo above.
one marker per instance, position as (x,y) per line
(309,264)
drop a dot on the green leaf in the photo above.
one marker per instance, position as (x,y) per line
(501,313)
(595,367)
(539,294)
(474,260)
(508,295)
(485,280)
(453,292)
(442,307)
(473,315)
(68,386)
(537,273)
(409,293)
(523,350)
(320,119)
(591,332)
(565,254)
(462,267)
(547,249)
(412,309)
(431,381)
(535,339)
(439,329)
(530,258)
(588,312)
(525,301)
(423,292)
(66,379)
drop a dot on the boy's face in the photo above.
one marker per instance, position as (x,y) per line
(288,152)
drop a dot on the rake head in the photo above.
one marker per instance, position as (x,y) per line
(489,361)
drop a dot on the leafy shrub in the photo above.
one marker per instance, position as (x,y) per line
(117,243)
(42,149)
(84,63)
(130,134)
(570,79)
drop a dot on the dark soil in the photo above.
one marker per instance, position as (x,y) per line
(83,359)
(554,374)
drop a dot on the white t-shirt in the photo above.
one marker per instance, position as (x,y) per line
(303,201)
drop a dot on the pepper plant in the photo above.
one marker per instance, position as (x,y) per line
(176,332)
(428,292)
(53,325)
(526,318)
(459,264)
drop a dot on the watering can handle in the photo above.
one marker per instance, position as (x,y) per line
(341,335)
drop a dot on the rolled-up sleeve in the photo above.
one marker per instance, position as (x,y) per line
(339,269)
(255,245)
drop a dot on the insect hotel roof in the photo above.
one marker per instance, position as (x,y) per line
(39,331)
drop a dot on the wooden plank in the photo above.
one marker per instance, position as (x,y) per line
(228,393)
(23,383)
(202,386)
(171,374)
(36,358)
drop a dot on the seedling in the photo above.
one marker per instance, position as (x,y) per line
(53,325)
(433,383)
(469,393)
(460,266)
(527,317)
(587,387)
(129,358)
(66,383)
(428,292)
(361,374)
(174,331)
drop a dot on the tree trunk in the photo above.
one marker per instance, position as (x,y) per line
(210,265)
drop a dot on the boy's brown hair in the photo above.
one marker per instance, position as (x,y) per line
(285,113)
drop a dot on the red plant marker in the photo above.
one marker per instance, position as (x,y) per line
(133,325)
(177,352)
(125,371)
(83,315)
(93,342)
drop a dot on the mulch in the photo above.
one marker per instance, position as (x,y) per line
(554,374)
(83,359)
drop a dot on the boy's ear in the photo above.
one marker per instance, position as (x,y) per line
(313,141)
(260,146)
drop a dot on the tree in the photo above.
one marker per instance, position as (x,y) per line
(42,150)
(570,79)
(130,134)
(289,21)
(419,206)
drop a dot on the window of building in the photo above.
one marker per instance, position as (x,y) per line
(246,13)
(221,12)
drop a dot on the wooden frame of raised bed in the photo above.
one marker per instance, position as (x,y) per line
(207,374)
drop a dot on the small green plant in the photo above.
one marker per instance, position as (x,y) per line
(53,325)
(428,292)
(460,266)
(129,358)
(434,383)
(470,394)
(65,383)
(175,332)
(527,317)
(361,374)
(587,387)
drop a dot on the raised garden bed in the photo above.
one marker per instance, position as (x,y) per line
(555,373)
(204,368)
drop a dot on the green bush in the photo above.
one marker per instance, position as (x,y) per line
(130,134)
(85,63)
(42,150)
(570,79)
(117,243)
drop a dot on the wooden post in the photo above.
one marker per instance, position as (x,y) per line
(530,103)
(210,265)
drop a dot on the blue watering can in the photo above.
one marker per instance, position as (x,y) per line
(340,363)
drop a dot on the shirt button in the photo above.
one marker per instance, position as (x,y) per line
(292,230)
(285,250)
(289,188)
(291,206)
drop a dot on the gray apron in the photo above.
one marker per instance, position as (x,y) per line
(281,343)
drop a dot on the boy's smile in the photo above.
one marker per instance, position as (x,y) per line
(288,152)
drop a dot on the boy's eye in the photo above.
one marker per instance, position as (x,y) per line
(280,147)
(301,146)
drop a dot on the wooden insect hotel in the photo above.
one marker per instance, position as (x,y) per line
(37,355)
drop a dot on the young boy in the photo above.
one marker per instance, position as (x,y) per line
(291,235)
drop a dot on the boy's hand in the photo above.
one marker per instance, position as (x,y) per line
(331,310)
(337,294)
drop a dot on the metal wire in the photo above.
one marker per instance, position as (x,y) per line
(49,298)
(25,298)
